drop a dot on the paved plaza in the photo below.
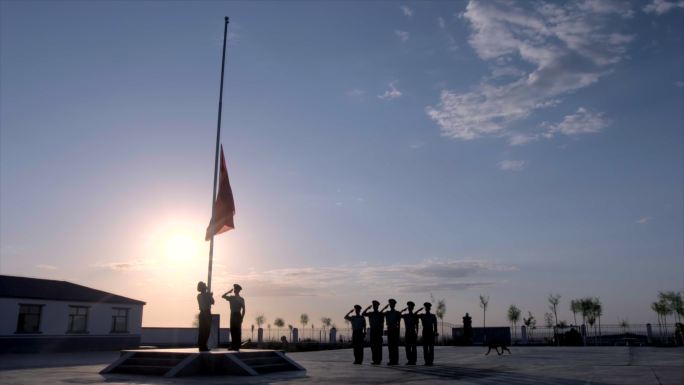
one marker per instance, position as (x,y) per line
(461,365)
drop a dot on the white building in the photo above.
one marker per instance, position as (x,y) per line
(47,315)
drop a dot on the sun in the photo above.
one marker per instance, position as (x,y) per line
(180,247)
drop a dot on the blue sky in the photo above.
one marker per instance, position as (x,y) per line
(376,150)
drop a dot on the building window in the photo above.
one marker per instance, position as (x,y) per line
(78,319)
(120,320)
(29,318)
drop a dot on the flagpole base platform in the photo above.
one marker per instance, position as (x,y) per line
(191,362)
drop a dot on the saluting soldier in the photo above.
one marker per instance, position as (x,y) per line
(237,314)
(429,322)
(376,320)
(411,336)
(393,319)
(358,324)
(204,299)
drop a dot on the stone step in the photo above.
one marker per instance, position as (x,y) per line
(275,367)
(142,369)
(261,360)
(145,361)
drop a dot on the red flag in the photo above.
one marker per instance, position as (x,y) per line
(224,206)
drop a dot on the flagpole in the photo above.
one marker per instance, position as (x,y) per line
(218,139)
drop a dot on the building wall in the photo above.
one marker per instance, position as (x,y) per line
(54,323)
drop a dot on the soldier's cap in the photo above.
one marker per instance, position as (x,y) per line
(427,304)
(237,287)
(392,301)
(357,307)
(376,302)
(410,304)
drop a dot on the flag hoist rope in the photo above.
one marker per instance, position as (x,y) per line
(216,157)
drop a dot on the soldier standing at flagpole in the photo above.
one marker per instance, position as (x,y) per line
(237,314)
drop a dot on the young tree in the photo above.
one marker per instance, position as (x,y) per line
(530,322)
(269,331)
(326,321)
(279,323)
(440,311)
(252,332)
(260,320)
(624,325)
(484,302)
(514,317)
(303,319)
(554,300)
(548,320)
(598,312)
(575,307)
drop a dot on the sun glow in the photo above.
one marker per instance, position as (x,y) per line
(180,247)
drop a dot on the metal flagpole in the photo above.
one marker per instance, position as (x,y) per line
(216,157)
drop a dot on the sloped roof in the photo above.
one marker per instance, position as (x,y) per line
(36,288)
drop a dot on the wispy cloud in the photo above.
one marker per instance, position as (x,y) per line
(408,12)
(422,277)
(440,22)
(391,93)
(132,265)
(643,220)
(581,122)
(660,7)
(569,46)
(355,93)
(512,165)
(46,267)
(679,83)
(402,35)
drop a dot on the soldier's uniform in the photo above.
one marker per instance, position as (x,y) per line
(376,320)
(358,324)
(429,322)
(411,336)
(393,319)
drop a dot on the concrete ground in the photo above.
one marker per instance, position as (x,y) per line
(461,365)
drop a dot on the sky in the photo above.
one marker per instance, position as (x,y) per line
(408,150)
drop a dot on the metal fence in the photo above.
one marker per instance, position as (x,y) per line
(610,334)
(322,335)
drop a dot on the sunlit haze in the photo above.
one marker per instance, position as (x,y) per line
(459,149)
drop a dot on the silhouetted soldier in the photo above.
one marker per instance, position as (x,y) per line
(467,330)
(358,324)
(204,300)
(376,319)
(237,313)
(429,322)
(393,319)
(411,336)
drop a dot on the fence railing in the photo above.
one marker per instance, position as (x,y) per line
(322,335)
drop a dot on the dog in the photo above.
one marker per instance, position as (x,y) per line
(496,346)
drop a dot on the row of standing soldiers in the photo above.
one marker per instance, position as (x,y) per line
(377,318)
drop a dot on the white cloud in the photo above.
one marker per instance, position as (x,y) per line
(356,93)
(390,94)
(660,7)
(422,277)
(132,265)
(512,165)
(46,267)
(581,122)
(408,12)
(679,83)
(643,220)
(567,45)
(520,139)
(402,35)
(441,22)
